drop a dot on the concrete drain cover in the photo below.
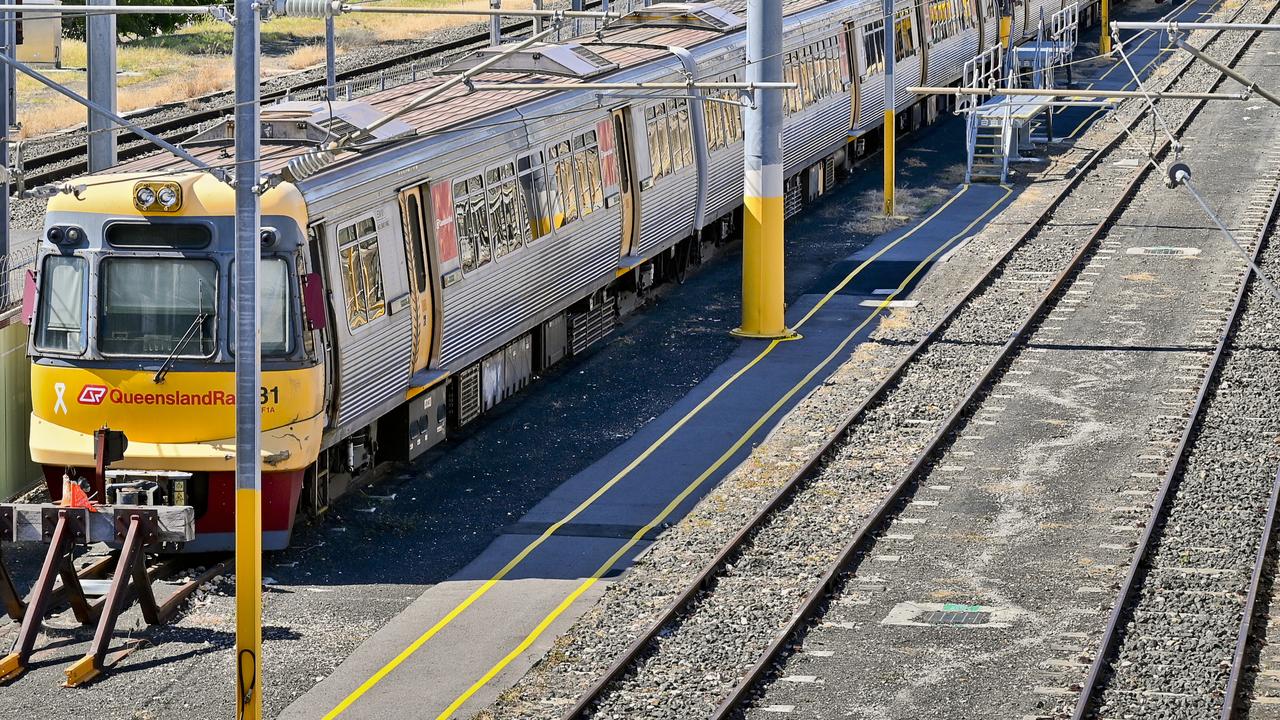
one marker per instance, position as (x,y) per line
(950,614)
(1164,250)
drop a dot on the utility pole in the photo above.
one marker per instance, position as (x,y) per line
(330,59)
(100,34)
(8,108)
(890,111)
(763,278)
(1104,42)
(495,24)
(537,21)
(248,367)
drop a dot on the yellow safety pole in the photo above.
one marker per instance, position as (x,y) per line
(763,277)
(890,109)
(248,367)
(1104,43)
(890,156)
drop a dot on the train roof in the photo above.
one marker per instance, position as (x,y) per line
(622,49)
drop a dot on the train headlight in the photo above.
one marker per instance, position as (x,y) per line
(168,198)
(165,197)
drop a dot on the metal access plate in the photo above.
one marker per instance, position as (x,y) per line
(950,615)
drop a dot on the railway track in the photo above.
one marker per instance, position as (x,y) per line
(718,628)
(70,161)
(1182,625)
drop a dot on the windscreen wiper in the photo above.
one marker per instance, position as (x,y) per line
(186,338)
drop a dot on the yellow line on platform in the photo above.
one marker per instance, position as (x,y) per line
(724,457)
(515,561)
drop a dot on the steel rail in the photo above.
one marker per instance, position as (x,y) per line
(1231,694)
(1111,634)
(177,130)
(705,579)
(713,569)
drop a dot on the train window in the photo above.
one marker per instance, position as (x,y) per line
(670,137)
(361,273)
(714,120)
(815,70)
(565,190)
(903,37)
(158,307)
(413,219)
(533,184)
(174,235)
(873,48)
(663,165)
(471,216)
(505,209)
(586,160)
(276,308)
(60,321)
(681,109)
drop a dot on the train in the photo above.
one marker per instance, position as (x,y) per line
(408,288)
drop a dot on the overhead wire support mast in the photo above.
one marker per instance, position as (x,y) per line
(764,214)
(890,129)
(248,364)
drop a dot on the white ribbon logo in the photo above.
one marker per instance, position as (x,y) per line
(60,406)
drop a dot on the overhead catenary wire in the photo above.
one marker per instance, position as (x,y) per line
(1181,175)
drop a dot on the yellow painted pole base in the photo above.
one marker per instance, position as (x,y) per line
(11,667)
(786,334)
(81,672)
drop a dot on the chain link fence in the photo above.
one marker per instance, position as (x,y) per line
(13,268)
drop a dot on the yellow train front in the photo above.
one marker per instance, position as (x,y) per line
(132,331)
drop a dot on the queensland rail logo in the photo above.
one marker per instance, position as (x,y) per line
(92,394)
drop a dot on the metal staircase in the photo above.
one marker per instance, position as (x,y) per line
(997,129)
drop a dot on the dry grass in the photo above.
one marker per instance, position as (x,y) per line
(195,61)
(308,56)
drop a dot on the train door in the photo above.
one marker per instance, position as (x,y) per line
(626,180)
(850,45)
(326,349)
(974,8)
(414,214)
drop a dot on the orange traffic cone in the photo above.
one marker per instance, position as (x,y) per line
(73,496)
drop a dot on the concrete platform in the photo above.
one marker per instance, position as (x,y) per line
(505,608)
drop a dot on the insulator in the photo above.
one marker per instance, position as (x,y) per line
(307,165)
(309,8)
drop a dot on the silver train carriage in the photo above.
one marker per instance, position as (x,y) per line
(482,239)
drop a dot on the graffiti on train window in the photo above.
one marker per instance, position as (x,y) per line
(361,273)
(471,218)
(537,202)
(815,69)
(724,120)
(670,140)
